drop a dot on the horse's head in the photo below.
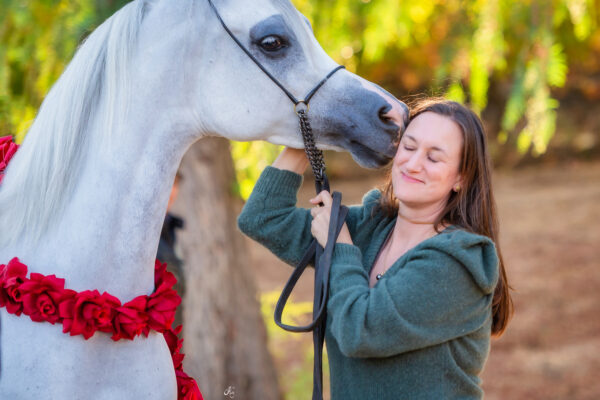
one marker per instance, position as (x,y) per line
(228,95)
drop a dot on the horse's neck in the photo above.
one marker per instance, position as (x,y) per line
(108,236)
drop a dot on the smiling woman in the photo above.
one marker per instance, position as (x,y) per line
(417,283)
(445,148)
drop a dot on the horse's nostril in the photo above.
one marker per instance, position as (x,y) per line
(383,113)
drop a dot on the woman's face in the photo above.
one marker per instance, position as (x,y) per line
(426,165)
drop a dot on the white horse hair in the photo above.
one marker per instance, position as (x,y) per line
(85,196)
(45,171)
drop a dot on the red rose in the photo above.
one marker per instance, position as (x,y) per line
(88,312)
(174,343)
(7,150)
(41,297)
(172,339)
(12,276)
(159,268)
(162,277)
(161,308)
(131,319)
(187,387)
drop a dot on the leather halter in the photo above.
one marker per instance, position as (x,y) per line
(319,256)
(301,108)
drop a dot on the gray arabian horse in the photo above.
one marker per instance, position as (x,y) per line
(85,196)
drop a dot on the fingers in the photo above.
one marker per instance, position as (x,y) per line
(323,197)
(320,226)
(316,211)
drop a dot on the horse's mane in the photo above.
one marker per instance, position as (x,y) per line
(92,89)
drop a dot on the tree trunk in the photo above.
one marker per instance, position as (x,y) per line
(225,338)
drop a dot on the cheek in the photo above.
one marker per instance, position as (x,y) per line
(399,160)
(396,179)
(444,177)
(401,157)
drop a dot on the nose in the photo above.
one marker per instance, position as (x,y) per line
(413,163)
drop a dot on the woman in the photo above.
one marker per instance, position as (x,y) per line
(417,284)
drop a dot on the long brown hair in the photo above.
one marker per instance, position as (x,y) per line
(473,207)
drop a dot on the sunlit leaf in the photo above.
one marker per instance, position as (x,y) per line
(557,66)
(456,93)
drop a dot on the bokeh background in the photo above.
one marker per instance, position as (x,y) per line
(530,68)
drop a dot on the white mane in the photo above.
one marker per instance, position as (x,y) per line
(93,89)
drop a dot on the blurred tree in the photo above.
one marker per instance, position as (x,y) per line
(225,337)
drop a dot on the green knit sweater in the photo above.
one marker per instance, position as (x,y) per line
(422,332)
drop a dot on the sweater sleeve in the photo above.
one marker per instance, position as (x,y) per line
(270,215)
(430,299)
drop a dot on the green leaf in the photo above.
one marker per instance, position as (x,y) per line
(557,66)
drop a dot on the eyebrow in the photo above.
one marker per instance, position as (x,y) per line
(431,148)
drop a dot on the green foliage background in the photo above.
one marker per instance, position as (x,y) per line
(37,40)
(461,49)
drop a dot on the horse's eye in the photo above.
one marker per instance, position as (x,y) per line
(272,43)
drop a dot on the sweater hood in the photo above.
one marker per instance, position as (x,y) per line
(476,253)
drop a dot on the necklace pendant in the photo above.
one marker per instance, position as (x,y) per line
(378,276)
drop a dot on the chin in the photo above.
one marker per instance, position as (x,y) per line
(410,196)
(411,201)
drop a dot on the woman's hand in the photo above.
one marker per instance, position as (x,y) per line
(320,223)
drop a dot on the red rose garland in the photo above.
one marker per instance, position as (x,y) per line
(45,299)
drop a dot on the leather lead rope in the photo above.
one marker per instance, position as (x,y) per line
(320,257)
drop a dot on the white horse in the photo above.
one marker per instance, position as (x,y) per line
(85,196)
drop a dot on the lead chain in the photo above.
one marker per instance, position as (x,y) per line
(315,156)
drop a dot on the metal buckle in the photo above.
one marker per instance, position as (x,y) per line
(304,109)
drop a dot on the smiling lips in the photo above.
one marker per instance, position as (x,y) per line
(410,179)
